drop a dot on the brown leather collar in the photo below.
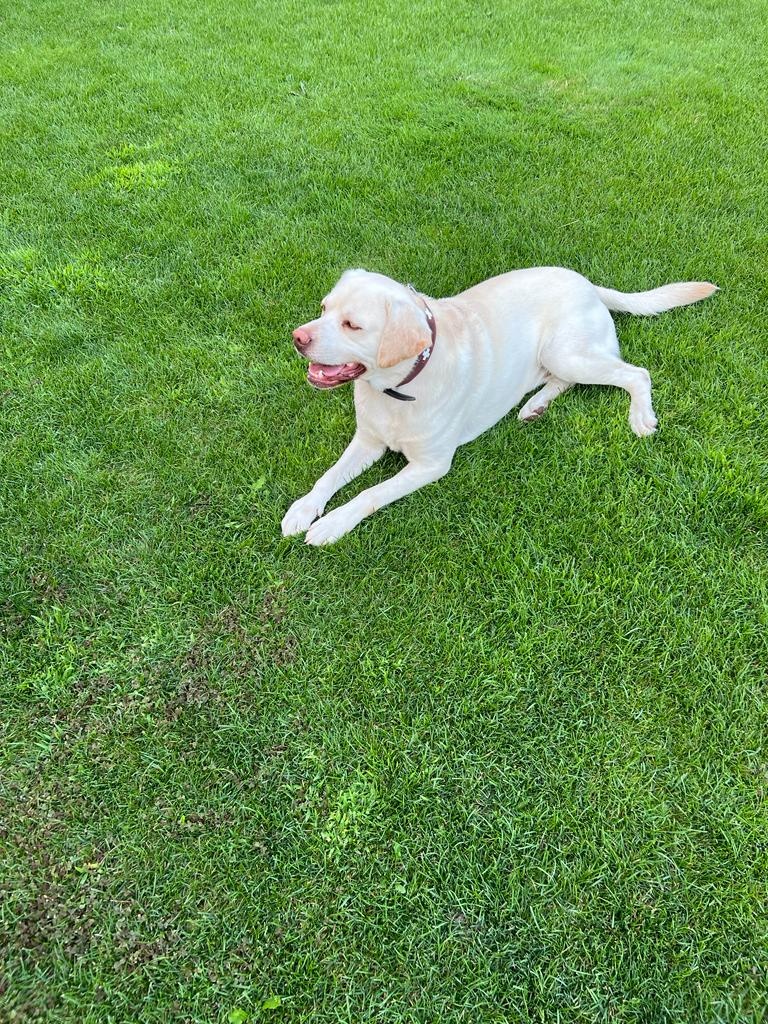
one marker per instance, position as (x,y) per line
(421,359)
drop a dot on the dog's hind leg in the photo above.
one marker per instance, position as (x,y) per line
(586,351)
(596,368)
(537,405)
(635,380)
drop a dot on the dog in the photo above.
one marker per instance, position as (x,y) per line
(462,363)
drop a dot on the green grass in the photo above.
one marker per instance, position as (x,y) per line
(498,755)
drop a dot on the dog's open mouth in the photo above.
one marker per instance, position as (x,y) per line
(321,375)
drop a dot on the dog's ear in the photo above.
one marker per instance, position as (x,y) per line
(405,334)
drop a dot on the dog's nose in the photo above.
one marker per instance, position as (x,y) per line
(301,338)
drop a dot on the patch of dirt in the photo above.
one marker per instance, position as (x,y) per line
(273,609)
(199,505)
(12,622)
(69,905)
(57,914)
(193,690)
(285,653)
(136,949)
(240,649)
(46,588)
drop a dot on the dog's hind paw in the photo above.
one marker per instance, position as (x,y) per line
(643,423)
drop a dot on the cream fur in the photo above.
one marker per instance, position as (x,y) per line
(544,328)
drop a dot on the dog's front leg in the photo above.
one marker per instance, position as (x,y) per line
(342,520)
(358,456)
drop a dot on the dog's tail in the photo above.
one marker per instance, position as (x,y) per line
(658,299)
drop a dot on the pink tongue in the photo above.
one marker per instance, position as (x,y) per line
(329,372)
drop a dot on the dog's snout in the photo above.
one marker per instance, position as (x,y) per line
(301,338)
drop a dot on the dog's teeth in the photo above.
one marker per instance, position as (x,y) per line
(320,373)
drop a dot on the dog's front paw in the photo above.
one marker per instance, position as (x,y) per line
(302,513)
(328,529)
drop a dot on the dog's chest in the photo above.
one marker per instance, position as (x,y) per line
(401,426)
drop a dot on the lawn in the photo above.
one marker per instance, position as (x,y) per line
(499,754)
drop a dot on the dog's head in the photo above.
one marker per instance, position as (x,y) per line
(369,326)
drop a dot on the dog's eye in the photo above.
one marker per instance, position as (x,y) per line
(350,326)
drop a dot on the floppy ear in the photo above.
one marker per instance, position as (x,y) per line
(405,334)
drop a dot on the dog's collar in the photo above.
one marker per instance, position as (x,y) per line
(421,359)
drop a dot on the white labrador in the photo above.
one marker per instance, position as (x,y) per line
(467,361)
